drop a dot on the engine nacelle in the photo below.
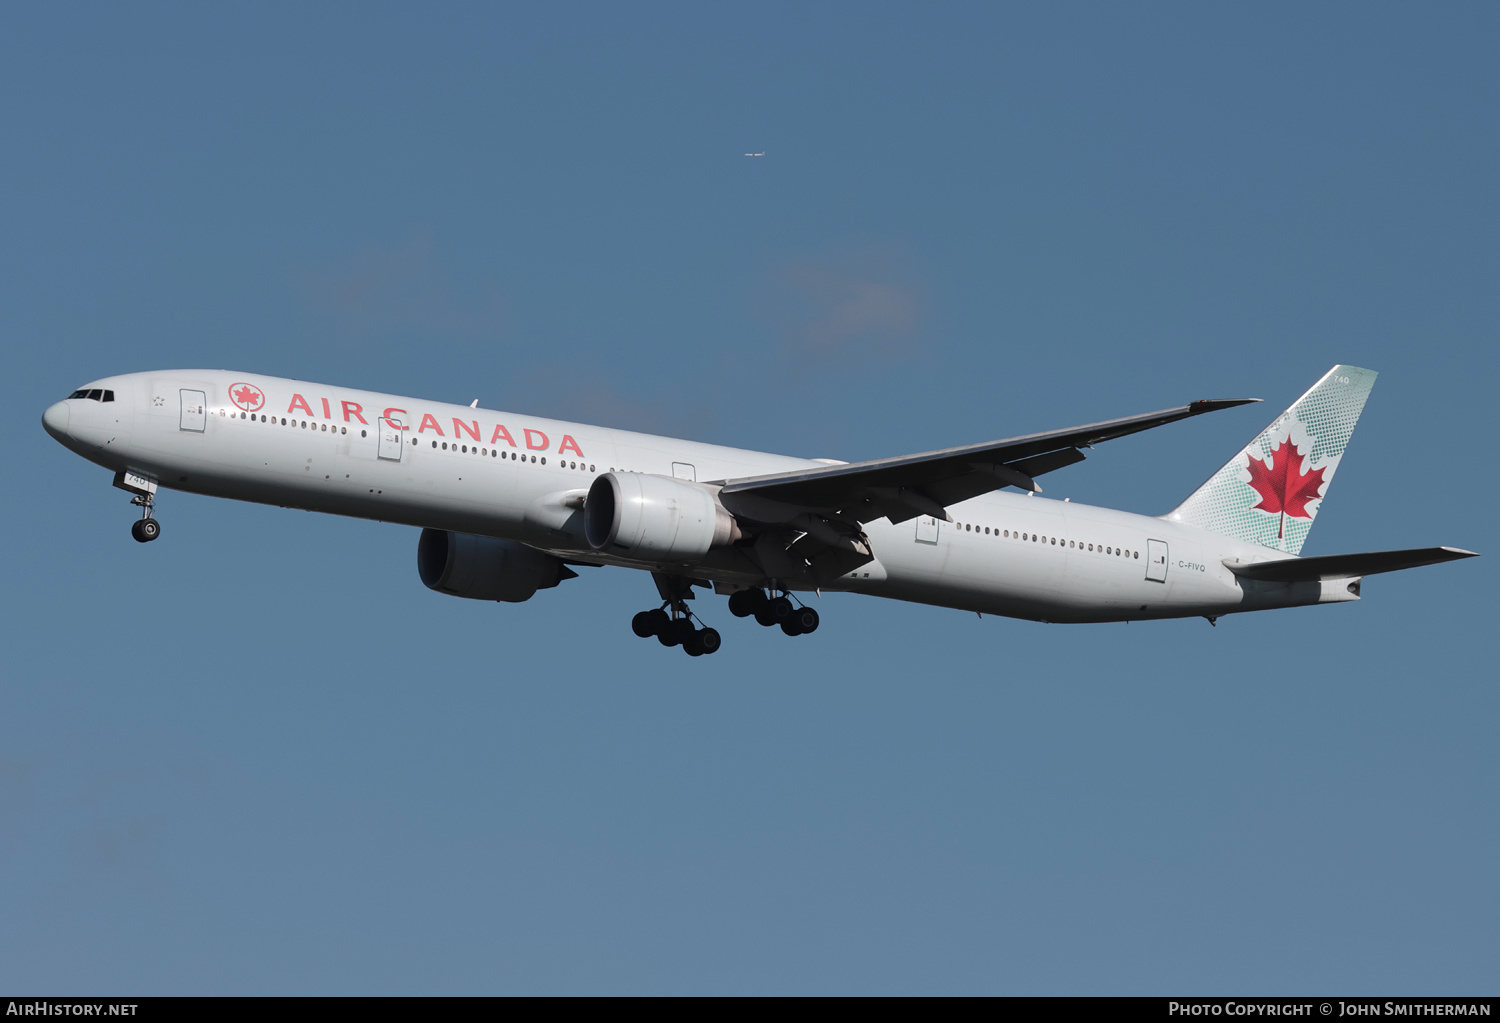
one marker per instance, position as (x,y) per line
(656,519)
(485,568)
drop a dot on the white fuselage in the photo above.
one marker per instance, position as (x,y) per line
(470,470)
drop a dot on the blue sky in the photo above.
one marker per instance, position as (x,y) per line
(259,757)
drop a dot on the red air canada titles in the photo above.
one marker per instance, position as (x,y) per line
(471,429)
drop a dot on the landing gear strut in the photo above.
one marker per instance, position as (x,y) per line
(145,529)
(794,620)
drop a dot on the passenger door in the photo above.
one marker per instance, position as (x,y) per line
(194,410)
(1156,561)
(390,443)
(927,529)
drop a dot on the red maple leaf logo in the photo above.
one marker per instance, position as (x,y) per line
(247,396)
(1282,489)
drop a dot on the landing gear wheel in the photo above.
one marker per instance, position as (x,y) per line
(694,644)
(744,603)
(649,623)
(708,640)
(145,530)
(677,632)
(791,628)
(806,620)
(781,609)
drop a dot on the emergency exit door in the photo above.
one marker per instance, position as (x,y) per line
(194,410)
(1156,560)
(390,443)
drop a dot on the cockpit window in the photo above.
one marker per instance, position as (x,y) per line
(79,394)
(94,394)
(97,394)
(108,396)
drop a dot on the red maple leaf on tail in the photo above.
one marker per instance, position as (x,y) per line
(1282,488)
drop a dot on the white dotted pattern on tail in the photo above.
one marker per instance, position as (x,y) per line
(1318,426)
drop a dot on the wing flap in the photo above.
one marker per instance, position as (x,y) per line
(1344,566)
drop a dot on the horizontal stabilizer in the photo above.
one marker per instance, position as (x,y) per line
(1343,566)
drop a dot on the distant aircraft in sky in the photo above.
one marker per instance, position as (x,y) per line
(755,154)
(509,505)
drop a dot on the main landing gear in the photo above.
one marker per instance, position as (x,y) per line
(145,529)
(676,629)
(794,620)
(672,622)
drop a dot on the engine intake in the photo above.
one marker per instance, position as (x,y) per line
(485,568)
(656,519)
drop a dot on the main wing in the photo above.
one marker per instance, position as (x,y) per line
(906,486)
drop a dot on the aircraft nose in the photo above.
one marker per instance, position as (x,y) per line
(55,420)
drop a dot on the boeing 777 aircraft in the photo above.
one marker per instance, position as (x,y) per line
(508,503)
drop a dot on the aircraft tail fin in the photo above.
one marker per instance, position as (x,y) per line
(1271,491)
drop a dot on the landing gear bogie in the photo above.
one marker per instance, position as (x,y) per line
(768,611)
(672,622)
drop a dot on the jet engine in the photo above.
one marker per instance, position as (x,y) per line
(485,568)
(655,519)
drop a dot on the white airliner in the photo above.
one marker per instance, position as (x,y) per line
(508,502)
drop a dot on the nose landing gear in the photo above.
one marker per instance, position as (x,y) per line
(145,529)
(143,491)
